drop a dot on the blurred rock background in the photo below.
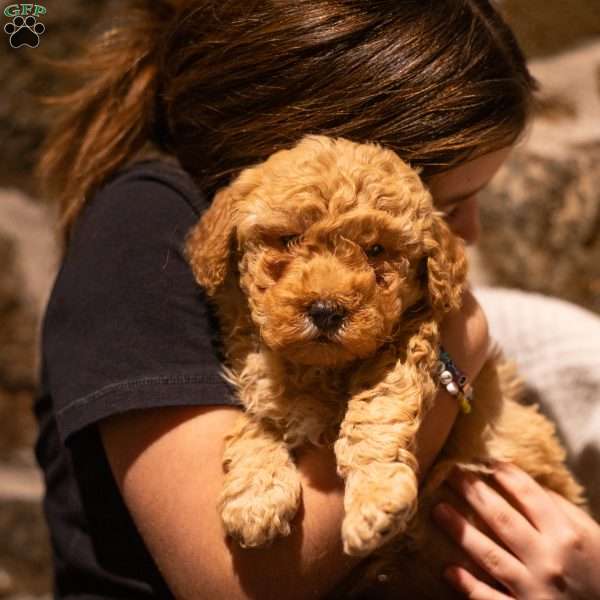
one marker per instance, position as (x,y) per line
(541,219)
(541,215)
(28,260)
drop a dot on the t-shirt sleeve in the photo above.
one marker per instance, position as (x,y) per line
(127,327)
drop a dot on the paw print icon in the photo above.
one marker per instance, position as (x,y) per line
(24,32)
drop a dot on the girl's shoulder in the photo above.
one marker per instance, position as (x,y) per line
(150,195)
(157,170)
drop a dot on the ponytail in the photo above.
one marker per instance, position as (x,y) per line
(112,112)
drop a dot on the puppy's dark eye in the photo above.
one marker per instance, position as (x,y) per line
(289,240)
(374,250)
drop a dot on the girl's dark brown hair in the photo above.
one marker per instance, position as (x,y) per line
(221,84)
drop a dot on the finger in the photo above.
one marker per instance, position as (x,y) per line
(511,527)
(573,512)
(530,498)
(494,559)
(473,588)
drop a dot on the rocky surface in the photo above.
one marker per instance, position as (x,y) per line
(541,214)
(24,552)
(26,76)
(547,27)
(28,259)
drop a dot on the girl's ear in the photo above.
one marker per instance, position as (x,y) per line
(208,244)
(446,268)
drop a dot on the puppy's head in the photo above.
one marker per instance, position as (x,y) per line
(333,242)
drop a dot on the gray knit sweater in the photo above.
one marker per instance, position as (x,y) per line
(556,346)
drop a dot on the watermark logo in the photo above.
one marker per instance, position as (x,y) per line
(25,28)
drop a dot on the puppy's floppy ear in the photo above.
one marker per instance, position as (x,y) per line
(208,244)
(446,268)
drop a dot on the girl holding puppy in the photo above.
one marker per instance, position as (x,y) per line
(170,103)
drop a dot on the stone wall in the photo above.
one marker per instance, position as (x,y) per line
(28,259)
(541,214)
(28,255)
(26,76)
(547,27)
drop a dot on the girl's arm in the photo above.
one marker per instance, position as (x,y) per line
(167,464)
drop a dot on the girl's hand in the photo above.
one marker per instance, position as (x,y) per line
(551,548)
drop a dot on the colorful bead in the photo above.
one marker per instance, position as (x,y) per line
(452,388)
(454,380)
(446,378)
(465,406)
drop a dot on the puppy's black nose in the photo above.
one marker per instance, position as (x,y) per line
(327,316)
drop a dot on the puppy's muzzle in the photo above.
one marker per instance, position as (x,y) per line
(326,315)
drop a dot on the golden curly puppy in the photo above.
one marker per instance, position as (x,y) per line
(330,271)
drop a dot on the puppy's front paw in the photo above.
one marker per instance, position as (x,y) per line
(377,509)
(367,527)
(261,507)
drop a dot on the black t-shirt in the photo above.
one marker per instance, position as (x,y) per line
(126,327)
